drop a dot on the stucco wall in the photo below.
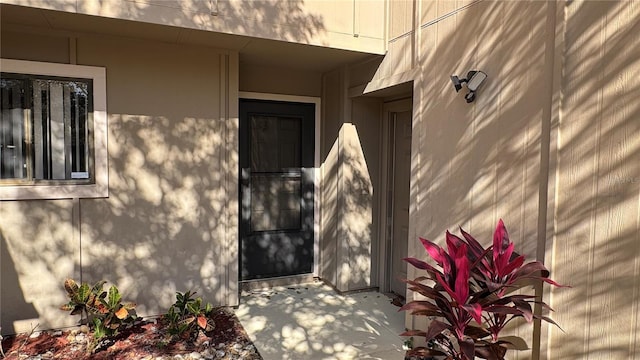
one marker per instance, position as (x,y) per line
(279,80)
(350,185)
(352,24)
(38,250)
(170,222)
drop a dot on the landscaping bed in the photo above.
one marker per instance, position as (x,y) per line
(147,339)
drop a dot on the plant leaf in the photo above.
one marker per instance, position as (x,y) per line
(513,342)
(129,305)
(549,320)
(418,333)
(453,242)
(77,310)
(436,327)
(468,347)
(474,245)
(210,325)
(476,332)
(202,322)
(419,264)
(500,239)
(419,305)
(113,297)
(188,320)
(511,266)
(504,310)
(490,351)
(462,274)
(434,251)
(71,287)
(97,288)
(193,308)
(525,308)
(475,310)
(423,289)
(82,295)
(122,313)
(530,268)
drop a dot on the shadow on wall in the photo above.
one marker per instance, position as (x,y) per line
(286,20)
(169,223)
(278,20)
(38,253)
(14,305)
(347,213)
(598,235)
(475,163)
(484,161)
(483,158)
(163,228)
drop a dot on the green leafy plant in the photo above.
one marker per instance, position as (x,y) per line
(83,300)
(470,296)
(187,316)
(101,310)
(1,349)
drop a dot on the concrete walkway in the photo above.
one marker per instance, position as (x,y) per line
(311,321)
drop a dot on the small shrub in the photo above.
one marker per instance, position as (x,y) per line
(187,316)
(471,295)
(103,311)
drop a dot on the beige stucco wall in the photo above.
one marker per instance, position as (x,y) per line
(350,154)
(279,80)
(38,250)
(170,222)
(351,24)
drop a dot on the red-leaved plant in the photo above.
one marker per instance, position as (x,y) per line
(474,283)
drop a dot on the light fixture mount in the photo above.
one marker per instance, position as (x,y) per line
(474,79)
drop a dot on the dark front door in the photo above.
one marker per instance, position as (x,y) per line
(276,188)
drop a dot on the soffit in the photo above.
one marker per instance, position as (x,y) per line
(251,50)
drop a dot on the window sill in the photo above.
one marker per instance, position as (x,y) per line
(52,192)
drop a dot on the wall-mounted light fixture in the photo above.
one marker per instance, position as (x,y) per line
(474,79)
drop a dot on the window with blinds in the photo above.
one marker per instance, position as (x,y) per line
(45,128)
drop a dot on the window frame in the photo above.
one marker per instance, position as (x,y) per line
(98,156)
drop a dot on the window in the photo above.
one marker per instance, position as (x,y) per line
(52,131)
(44,133)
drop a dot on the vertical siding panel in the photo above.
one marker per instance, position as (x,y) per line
(401,23)
(619,209)
(577,186)
(599,164)
(629,88)
(428,11)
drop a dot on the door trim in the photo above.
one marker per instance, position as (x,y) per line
(384,269)
(316,160)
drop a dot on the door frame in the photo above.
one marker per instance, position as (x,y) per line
(386,201)
(316,160)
